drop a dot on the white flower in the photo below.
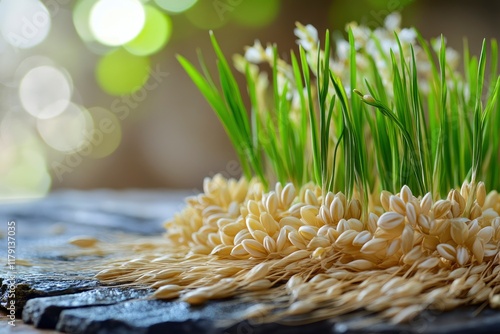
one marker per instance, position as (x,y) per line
(255,54)
(269,53)
(338,68)
(282,82)
(452,58)
(436,44)
(361,34)
(308,36)
(388,45)
(407,35)
(240,63)
(262,82)
(313,33)
(392,22)
(343,48)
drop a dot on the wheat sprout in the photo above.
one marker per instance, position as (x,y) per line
(369,208)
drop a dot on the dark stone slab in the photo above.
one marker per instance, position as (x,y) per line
(134,211)
(148,316)
(42,285)
(463,320)
(153,316)
(245,327)
(44,312)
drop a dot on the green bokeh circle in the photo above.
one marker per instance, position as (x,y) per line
(121,73)
(256,13)
(155,34)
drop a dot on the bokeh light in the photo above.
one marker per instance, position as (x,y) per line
(153,36)
(81,19)
(24,23)
(120,73)
(16,127)
(106,135)
(23,172)
(209,15)
(116,22)
(69,131)
(45,92)
(9,64)
(175,6)
(256,13)
(382,4)
(29,63)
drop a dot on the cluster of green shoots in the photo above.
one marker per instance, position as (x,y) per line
(361,119)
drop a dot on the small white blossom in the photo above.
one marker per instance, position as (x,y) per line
(312,31)
(392,22)
(308,36)
(388,45)
(361,34)
(240,63)
(343,48)
(282,82)
(407,35)
(436,44)
(255,54)
(452,57)
(269,52)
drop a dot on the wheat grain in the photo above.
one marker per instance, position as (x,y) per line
(354,209)
(362,238)
(336,210)
(372,222)
(269,244)
(495,301)
(258,285)
(424,224)
(428,263)
(407,313)
(441,208)
(396,204)
(447,251)
(481,194)
(346,238)
(293,222)
(308,232)
(459,232)
(406,194)
(390,220)
(385,200)
(426,203)
(300,307)
(242,235)
(83,241)
(254,248)
(374,245)
(360,265)
(475,212)
(462,255)
(310,198)
(396,262)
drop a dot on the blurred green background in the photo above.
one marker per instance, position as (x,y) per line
(91,94)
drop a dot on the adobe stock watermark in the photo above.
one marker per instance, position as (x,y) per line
(377,17)
(221,7)
(121,108)
(10,280)
(32,25)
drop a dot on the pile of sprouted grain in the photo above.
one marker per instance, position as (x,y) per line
(356,218)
